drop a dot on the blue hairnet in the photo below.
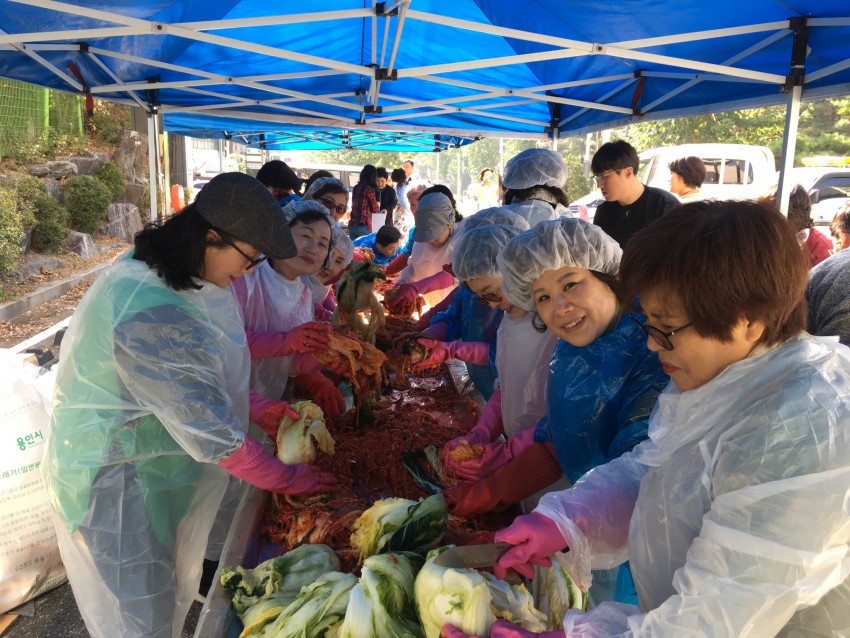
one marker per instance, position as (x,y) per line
(553,245)
(475,254)
(535,167)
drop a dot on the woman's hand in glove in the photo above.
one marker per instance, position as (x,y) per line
(535,538)
(308,337)
(322,392)
(251,463)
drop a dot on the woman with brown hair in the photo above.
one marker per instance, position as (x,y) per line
(733,515)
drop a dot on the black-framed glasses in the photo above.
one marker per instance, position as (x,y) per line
(601,179)
(658,335)
(251,261)
(332,206)
(487,299)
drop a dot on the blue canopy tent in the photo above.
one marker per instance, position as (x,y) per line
(540,69)
(293,137)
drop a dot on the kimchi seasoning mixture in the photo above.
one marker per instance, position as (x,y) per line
(368,464)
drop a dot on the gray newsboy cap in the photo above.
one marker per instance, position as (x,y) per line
(240,205)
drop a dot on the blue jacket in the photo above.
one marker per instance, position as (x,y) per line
(471,321)
(600,398)
(368,241)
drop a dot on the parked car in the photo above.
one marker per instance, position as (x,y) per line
(828,188)
(733,171)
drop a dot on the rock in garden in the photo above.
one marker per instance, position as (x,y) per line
(124,222)
(81,243)
(54,169)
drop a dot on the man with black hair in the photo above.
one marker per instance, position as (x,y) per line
(385,244)
(281,180)
(629,204)
(387,198)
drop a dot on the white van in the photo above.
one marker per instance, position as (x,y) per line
(733,171)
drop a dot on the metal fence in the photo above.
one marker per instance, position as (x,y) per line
(28,112)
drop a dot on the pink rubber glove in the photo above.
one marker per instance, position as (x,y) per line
(504,629)
(535,538)
(322,392)
(268,413)
(487,430)
(396,265)
(308,337)
(495,456)
(253,464)
(321,313)
(404,298)
(439,281)
(476,352)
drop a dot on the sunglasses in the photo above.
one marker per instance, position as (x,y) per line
(251,261)
(332,206)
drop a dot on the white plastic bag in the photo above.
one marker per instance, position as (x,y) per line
(29,554)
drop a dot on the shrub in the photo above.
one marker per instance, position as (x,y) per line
(11,228)
(86,200)
(108,121)
(113,177)
(51,224)
(29,188)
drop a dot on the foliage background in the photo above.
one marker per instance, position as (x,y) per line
(824,129)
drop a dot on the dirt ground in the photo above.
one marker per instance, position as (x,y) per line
(47,314)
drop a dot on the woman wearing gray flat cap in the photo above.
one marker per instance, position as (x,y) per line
(151,411)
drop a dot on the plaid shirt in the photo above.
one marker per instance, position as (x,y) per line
(363,204)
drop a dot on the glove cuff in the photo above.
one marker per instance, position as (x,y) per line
(270,421)
(245,457)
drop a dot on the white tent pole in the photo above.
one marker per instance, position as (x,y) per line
(153,170)
(789,148)
(109,72)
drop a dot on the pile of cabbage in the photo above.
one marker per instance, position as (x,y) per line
(400,592)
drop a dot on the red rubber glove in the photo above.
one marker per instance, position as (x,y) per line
(535,538)
(306,363)
(495,456)
(253,464)
(504,629)
(476,352)
(487,430)
(322,391)
(405,297)
(396,265)
(425,320)
(308,337)
(529,472)
(268,413)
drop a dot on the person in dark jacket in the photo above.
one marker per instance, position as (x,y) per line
(629,204)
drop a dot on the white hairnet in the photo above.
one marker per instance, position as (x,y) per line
(553,245)
(342,243)
(475,254)
(535,167)
(295,209)
(321,183)
(495,215)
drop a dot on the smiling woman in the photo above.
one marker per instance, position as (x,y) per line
(741,490)
(602,383)
(151,411)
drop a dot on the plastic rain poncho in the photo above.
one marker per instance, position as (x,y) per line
(522,363)
(600,397)
(151,391)
(736,509)
(272,303)
(425,260)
